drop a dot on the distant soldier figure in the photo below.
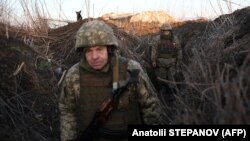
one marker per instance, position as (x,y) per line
(166,53)
(78,15)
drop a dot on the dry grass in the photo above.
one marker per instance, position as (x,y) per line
(216,86)
(216,68)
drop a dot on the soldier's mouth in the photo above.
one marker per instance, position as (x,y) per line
(96,65)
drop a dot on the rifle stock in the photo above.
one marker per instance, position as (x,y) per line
(105,110)
(100,117)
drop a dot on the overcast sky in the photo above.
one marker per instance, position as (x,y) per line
(180,9)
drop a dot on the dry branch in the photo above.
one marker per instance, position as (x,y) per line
(19,67)
(61,79)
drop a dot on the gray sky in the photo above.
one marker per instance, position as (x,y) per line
(179,9)
(182,9)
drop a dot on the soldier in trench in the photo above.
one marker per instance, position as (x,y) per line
(92,81)
(166,57)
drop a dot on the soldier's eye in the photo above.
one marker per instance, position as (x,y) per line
(87,51)
(100,48)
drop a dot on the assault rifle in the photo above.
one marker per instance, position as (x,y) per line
(102,114)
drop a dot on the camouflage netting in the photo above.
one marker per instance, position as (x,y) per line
(215,66)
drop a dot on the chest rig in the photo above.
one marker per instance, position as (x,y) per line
(166,49)
(95,88)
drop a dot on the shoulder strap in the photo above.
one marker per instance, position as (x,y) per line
(115,63)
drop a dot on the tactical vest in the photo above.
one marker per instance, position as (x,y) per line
(95,88)
(166,49)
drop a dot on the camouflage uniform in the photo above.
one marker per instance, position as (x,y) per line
(144,91)
(166,56)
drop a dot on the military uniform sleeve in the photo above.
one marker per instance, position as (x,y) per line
(148,100)
(153,53)
(179,50)
(66,109)
(154,45)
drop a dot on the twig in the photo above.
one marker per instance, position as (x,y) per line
(187,83)
(61,79)
(19,67)
(168,81)
(228,1)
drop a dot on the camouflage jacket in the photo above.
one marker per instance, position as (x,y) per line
(147,98)
(154,49)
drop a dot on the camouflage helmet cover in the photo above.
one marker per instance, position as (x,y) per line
(95,33)
(166,26)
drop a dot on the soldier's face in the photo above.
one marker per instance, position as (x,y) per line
(97,57)
(166,33)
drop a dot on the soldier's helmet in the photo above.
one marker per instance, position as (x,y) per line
(166,26)
(94,33)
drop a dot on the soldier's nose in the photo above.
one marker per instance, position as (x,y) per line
(94,55)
